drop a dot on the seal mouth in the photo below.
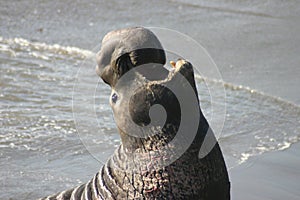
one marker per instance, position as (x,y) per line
(180,66)
(185,68)
(162,74)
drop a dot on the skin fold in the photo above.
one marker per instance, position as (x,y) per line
(143,167)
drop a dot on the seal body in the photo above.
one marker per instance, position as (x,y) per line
(141,168)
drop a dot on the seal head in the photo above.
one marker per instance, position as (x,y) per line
(140,49)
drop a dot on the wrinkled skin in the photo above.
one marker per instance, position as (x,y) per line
(188,177)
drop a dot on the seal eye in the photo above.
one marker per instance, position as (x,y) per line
(114,97)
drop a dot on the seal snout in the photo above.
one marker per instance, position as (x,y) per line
(125,49)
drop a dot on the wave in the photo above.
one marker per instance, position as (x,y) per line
(14,45)
(256,122)
(234,87)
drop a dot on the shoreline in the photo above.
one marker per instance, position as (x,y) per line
(273,175)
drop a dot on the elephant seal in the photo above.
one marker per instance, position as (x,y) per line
(127,174)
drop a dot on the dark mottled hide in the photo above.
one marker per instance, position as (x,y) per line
(189,177)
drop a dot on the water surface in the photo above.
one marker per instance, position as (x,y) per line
(44,43)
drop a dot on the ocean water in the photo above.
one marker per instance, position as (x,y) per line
(43,44)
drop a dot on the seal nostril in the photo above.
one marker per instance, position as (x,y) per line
(114,97)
